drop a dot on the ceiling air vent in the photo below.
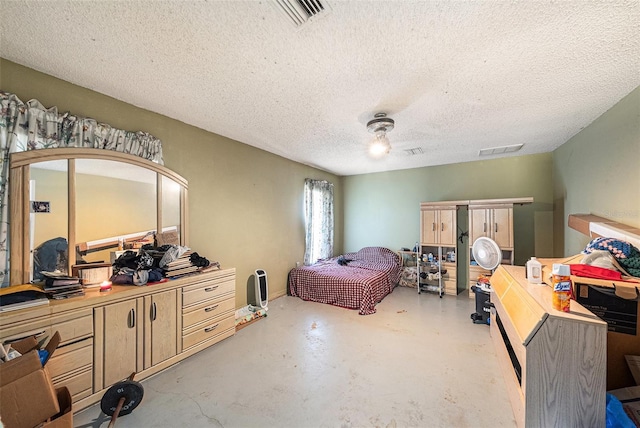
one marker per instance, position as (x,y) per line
(299,12)
(414,151)
(500,150)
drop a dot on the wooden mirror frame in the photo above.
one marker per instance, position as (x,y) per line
(20,206)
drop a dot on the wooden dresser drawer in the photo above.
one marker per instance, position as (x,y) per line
(206,310)
(208,330)
(71,357)
(197,293)
(79,383)
(41,331)
(75,329)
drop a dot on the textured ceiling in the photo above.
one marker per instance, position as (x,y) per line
(456,76)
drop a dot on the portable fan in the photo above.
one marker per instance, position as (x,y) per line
(486,253)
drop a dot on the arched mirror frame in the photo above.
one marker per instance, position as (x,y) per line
(20,207)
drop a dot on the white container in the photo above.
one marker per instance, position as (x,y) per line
(534,271)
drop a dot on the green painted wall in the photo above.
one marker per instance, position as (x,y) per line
(245,203)
(384,208)
(598,172)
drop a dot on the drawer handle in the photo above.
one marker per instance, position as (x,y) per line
(210,329)
(211,288)
(35,333)
(211,308)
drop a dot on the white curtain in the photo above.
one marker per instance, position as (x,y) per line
(31,126)
(318,215)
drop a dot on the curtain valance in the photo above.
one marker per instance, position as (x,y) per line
(31,126)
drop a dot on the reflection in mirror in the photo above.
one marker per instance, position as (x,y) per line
(171,206)
(48,219)
(114,201)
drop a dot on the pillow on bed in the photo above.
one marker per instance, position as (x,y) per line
(377,254)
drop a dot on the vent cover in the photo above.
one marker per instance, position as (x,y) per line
(414,151)
(299,12)
(500,150)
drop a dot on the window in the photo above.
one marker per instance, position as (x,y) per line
(318,216)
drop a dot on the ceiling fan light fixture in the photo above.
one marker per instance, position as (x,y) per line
(380,145)
(380,125)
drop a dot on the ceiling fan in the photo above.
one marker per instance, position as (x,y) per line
(380,125)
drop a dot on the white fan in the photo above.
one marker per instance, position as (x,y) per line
(486,253)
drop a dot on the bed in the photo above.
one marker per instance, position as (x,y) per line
(361,282)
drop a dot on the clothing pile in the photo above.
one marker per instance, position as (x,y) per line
(609,258)
(135,267)
(342,261)
(151,264)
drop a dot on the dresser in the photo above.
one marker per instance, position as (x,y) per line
(106,336)
(554,363)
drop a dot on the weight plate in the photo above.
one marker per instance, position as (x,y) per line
(132,392)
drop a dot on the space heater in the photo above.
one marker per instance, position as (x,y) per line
(262,288)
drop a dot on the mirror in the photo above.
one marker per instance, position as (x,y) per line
(113,201)
(48,217)
(88,202)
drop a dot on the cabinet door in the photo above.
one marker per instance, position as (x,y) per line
(163,316)
(429,227)
(120,341)
(502,226)
(448,228)
(478,226)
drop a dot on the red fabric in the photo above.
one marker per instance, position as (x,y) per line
(371,274)
(589,271)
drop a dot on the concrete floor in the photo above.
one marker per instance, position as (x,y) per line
(418,362)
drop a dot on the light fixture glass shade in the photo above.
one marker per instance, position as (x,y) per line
(380,145)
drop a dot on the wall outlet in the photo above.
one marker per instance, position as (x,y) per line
(297,264)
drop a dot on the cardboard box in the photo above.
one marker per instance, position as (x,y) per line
(616,303)
(64,418)
(633,361)
(27,396)
(167,238)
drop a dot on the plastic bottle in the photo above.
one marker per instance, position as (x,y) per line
(561,279)
(534,271)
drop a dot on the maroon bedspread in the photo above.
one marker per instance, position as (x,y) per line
(371,274)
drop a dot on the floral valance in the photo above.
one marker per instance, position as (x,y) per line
(31,126)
